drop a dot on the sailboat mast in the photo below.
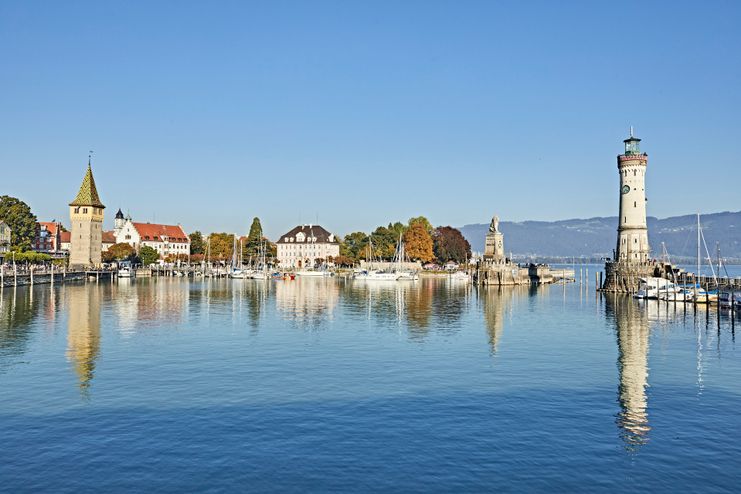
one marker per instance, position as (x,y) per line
(697,280)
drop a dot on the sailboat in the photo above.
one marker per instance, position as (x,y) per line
(372,274)
(236,268)
(400,258)
(261,269)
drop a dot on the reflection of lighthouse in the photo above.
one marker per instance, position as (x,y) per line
(83,332)
(632,338)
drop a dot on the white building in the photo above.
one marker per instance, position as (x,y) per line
(165,239)
(306,246)
(4,237)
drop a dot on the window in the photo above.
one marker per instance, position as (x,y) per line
(635,204)
(84,210)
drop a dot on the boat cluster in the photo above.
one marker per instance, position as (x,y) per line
(654,288)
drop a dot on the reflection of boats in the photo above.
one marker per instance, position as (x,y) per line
(375,275)
(125,270)
(729,298)
(460,276)
(321,273)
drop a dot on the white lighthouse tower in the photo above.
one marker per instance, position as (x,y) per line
(632,241)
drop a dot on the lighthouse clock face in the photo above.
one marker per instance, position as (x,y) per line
(625,189)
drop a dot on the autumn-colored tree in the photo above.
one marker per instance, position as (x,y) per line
(418,243)
(119,252)
(342,261)
(222,245)
(423,221)
(449,244)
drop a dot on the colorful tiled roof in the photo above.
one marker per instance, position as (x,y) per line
(88,194)
(153,232)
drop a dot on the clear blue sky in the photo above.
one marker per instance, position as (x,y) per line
(210,113)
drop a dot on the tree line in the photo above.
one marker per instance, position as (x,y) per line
(422,242)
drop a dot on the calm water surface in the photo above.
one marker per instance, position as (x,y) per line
(330,385)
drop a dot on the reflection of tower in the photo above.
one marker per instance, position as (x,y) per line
(496,304)
(633,341)
(83,332)
(632,242)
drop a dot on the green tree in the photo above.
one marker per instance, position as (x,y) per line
(423,221)
(449,244)
(384,241)
(20,219)
(148,255)
(418,243)
(353,245)
(197,245)
(254,239)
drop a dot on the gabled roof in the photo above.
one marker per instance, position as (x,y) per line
(88,194)
(152,232)
(310,232)
(108,237)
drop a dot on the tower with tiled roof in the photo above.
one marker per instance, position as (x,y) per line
(86,219)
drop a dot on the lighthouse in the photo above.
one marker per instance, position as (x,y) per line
(632,240)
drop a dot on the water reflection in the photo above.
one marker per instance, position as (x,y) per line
(309,301)
(83,331)
(497,305)
(632,331)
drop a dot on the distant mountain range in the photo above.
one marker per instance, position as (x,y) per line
(596,237)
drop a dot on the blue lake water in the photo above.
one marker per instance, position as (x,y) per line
(166,385)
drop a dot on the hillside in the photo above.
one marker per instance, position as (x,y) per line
(595,237)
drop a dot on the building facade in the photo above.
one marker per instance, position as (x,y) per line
(47,238)
(5,233)
(86,221)
(306,246)
(167,240)
(632,242)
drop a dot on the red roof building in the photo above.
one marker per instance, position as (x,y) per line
(168,240)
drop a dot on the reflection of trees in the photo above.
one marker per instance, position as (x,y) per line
(632,332)
(161,299)
(255,296)
(83,330)
(18,308)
